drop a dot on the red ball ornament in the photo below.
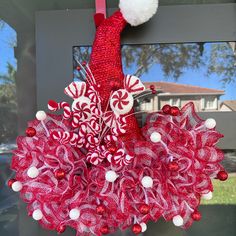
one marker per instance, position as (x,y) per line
(100,209)
(10,182)
(144,209)
(154,91)
(196,215)
(222,175)
(173,166)
(61,229)
(104,230)
(174,111)
(30,132)
(137,229)
(115,85)
(166,109)
(152,86)
(60,174)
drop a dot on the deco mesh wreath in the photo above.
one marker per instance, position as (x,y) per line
(93,169)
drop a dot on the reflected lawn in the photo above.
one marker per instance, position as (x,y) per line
(224,192)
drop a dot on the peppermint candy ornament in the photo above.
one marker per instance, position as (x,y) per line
(81,107)
(122,101)
(76,89)
(81,104)
(133,84)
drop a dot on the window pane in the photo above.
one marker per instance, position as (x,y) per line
(203,73)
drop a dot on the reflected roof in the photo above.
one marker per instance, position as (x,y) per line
(173,88)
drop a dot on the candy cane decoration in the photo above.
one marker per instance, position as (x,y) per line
(76,120)
(54,106)
(121,159)
(65,137)
(93,95)
(97,155)
(76,89)
(83,130)
(92,140)
(110,138)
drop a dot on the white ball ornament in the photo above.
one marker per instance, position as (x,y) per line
(74,214)
(207,196)
(37,215)
(111,176)
(144,227)
(210,123)
(178,221)
(155,137)
(147,182)
(17,186)
(41,115)
(33,172)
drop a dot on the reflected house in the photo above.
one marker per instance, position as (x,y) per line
(228,105)
(205,99)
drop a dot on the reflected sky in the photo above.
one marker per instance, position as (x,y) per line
(197,77)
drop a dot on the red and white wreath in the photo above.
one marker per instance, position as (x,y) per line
(93,169)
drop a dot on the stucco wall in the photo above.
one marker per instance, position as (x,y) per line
(156,103)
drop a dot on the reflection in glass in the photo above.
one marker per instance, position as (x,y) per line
(8,103)
(203,73)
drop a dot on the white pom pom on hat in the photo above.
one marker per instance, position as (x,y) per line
(137,12)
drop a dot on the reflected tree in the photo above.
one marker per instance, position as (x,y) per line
(222,61)
(8,105)
(175,59)
(2,24)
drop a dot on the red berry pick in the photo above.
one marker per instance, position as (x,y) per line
(196,215)
(104,230)
(154,91)
(222,175)
(100,209)
(115,85)
(60,174)
(10,182)
(173,166)
(152,86)
(137,229)
(84,63)
(144,209)
(112,149)
(30,132)
(78,68)
(166,109)
(61,229)
(174,111)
